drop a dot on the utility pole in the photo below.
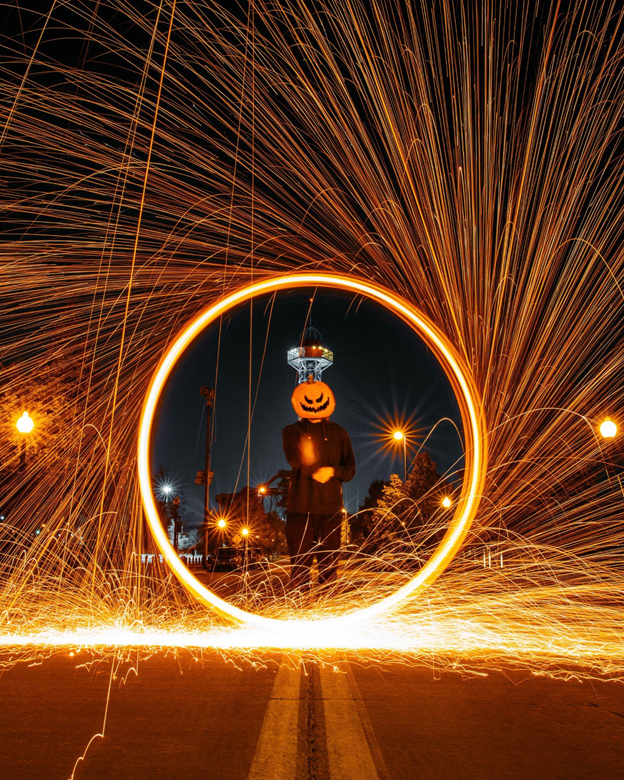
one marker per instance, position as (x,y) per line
(404,458)
(176,522)
(208,394)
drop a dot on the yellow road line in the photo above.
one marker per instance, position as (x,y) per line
(276,752)
(348,750)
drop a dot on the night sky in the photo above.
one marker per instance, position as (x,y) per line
(382,370)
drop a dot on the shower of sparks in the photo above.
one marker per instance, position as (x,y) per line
(466,156)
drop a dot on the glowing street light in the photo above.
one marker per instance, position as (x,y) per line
(262,490)
(221,522)
(167,490)
(400,436)
(446,502)
(25,423)
(245,533)
(608,429)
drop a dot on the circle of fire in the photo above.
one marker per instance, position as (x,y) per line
(465,392)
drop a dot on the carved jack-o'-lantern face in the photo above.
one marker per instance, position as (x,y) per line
(313,400)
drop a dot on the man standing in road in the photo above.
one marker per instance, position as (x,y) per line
(321,457)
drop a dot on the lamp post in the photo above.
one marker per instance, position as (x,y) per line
(400,436)
(207,394)
(344,528)
(608,431)
(176,522)
(168,514)
(24,425)
(245,533)
(221,526)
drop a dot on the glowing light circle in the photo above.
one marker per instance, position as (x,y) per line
(470,407)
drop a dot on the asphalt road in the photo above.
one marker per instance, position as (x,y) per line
(215,719)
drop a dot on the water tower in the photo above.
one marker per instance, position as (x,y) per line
(310,357)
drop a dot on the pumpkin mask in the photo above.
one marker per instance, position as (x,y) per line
(313,400)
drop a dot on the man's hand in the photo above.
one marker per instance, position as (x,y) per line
(324,474)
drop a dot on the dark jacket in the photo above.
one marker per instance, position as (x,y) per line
(307,447)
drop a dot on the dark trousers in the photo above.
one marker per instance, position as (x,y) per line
(309,535)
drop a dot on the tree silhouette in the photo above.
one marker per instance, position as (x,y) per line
(405,510)
(361,524)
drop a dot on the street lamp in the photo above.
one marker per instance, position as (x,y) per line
(446,502)
(170,508)
(400,436)
(221,523)
(245,533)
(608,429)
(344,528)
(25,424)
(207,393)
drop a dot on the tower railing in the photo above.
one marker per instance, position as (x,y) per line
(310,352)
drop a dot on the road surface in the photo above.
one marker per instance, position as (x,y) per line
(182,719)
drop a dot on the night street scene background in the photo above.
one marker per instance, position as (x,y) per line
(383,376)
(418,204)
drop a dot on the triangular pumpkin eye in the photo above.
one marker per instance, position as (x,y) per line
(320,398)
(309,400)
